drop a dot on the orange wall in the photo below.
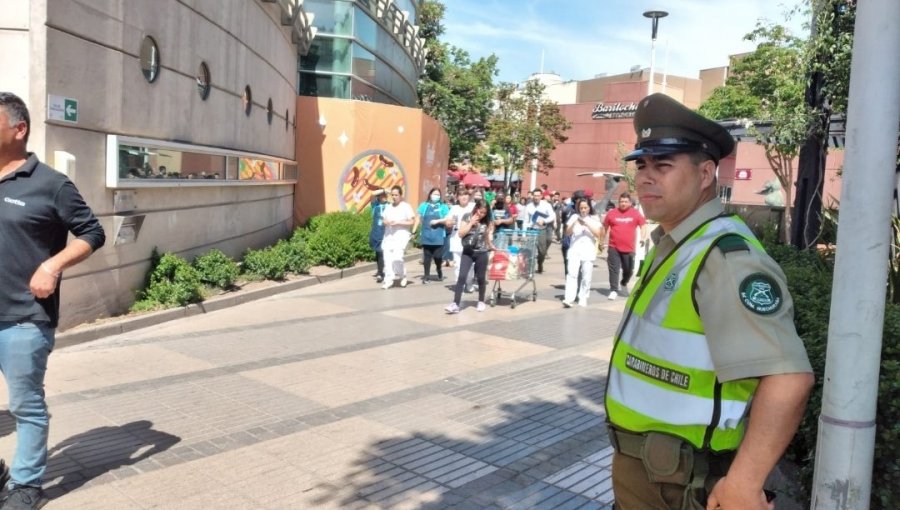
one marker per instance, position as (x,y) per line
(386,144)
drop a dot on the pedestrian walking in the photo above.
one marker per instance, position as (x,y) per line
(398,219)
(40,208)
(583,230)
(501,215)
(708,379)
(453,219)
(476,231)
(376,232)
(541,218)
(432,233)
(521,213)
(622,224)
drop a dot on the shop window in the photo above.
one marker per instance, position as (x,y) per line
(135,162)
(725,194)
(149,59)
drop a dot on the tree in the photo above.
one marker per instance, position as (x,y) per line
(453,90)
(766,87)
(828,55)
(524,130)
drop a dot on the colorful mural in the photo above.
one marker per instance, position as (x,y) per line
(367,172)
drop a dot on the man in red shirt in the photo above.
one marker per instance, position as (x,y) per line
(621,224)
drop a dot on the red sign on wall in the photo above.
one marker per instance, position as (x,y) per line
(742,174)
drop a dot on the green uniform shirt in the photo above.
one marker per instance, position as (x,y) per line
(743,342)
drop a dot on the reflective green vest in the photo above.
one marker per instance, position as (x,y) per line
(661,376)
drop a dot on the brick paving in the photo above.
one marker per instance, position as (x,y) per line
(340,395)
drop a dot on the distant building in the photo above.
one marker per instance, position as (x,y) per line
(602,132)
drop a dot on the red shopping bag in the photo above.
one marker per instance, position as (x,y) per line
(499,264)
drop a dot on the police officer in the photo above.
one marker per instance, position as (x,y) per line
(708,329)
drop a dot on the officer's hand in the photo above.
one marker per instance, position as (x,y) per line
(42,283)
(731,496)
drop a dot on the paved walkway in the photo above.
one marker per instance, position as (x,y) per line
(340,395)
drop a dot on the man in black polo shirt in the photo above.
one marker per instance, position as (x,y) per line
(39,207)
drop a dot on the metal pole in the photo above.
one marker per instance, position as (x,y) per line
(652,58)
(843,469)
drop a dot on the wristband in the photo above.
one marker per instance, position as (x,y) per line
(48,271)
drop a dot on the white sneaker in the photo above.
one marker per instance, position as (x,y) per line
(470,289)
(613,295)
(403,282)
(387,284)
(567,304)
(480,306)
(582,303)
(452,308)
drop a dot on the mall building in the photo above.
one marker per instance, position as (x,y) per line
(601,112)
(190,125)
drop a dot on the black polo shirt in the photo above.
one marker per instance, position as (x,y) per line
(38,208)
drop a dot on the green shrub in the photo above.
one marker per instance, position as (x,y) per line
(217,269)
(294,253)
(339,239)
(172,282)
(266,263)
(809,276)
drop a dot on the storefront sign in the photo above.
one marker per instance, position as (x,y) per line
(614,111)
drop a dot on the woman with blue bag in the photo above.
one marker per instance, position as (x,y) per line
(433,232)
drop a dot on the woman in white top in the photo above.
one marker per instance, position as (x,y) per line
(398,221)
(454,217)
(584,230)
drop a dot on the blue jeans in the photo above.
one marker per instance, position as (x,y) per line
(24,349)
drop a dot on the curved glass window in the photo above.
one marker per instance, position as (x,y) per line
(331,16)
(327,54)
(149,59)
(325,85)
(366,29)
(203,81)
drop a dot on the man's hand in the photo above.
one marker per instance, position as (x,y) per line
(728,496)
(43,282)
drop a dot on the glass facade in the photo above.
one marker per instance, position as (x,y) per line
(355,57)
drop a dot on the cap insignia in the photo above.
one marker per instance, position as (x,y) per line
(645,133)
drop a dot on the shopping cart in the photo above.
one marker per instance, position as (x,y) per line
(514,257)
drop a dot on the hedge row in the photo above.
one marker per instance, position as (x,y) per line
(809,276)
(336,240)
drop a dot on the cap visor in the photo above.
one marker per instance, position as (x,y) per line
(658,150)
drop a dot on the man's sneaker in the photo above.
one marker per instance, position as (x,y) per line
(567,304)
(403,282)
(387,284)
(480,306)
(612,295)
(452,308)
(470,288)
(425,280)
(582,302)
(379,278)
(24,497)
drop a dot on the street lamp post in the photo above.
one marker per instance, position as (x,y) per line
(653,15)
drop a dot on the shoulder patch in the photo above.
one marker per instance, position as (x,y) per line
(760,294)
(731,242)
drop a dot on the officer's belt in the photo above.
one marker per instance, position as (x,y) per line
(626,443)
(684,465)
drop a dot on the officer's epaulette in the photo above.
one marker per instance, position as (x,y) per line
(732,242)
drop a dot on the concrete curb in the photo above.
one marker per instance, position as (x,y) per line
(126,324)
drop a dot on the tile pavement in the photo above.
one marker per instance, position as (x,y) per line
(339,395)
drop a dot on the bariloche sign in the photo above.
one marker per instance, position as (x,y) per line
(614,111)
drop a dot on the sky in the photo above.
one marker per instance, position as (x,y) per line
(583,38)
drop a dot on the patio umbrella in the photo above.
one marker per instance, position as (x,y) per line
(475,179)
